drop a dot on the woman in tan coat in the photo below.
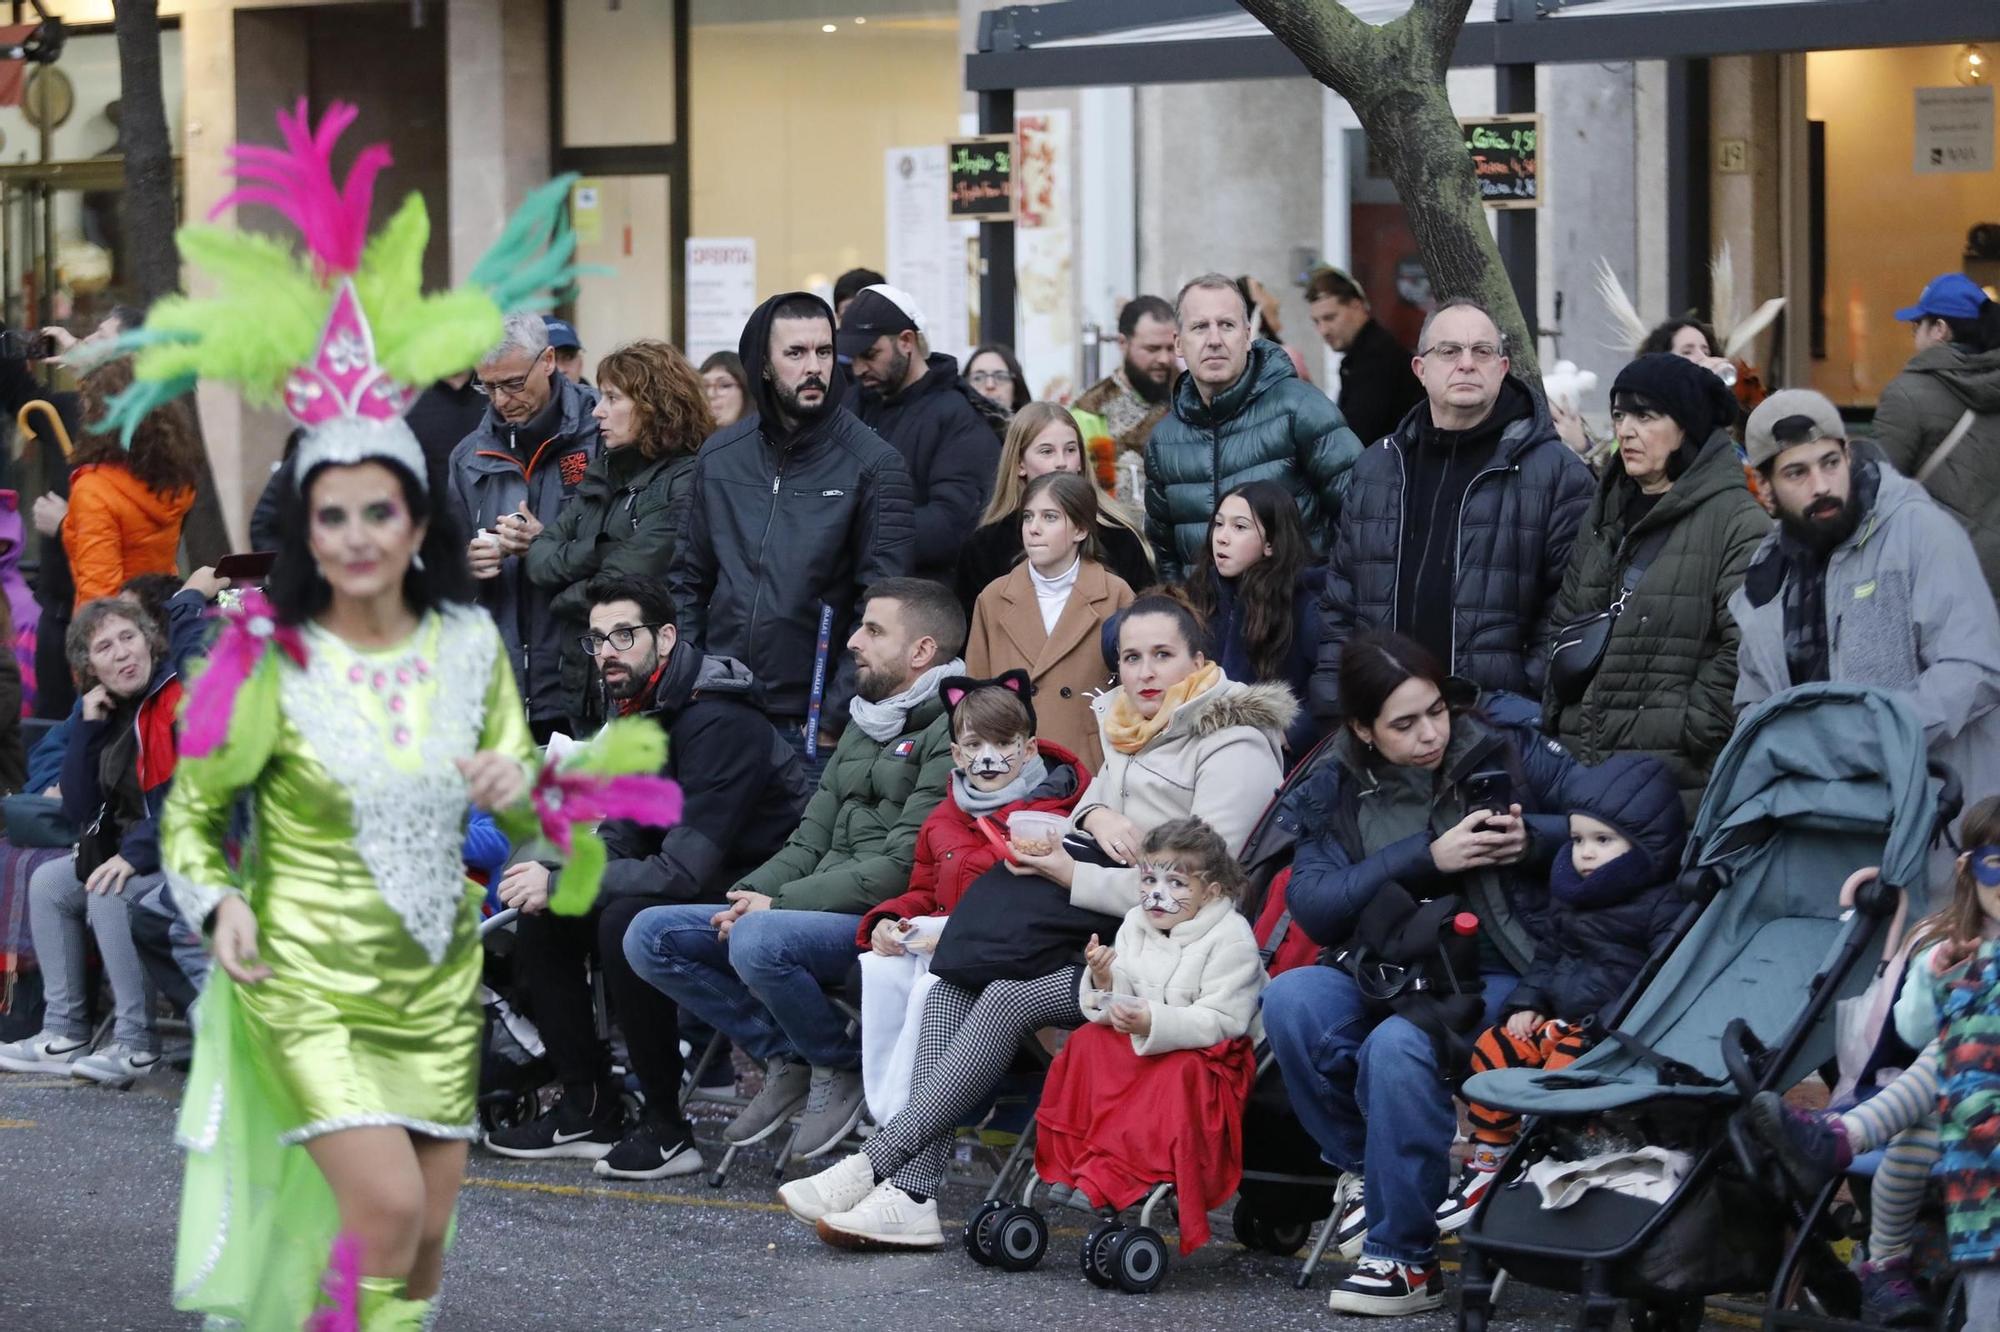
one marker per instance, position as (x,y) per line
(1046,617)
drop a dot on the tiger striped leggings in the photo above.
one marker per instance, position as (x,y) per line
(1554,1044)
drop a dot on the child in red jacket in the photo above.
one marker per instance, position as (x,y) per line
(1000,769)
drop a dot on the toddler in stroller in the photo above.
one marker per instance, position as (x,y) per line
(1611,906)
(1902,1116)
(1150,1092)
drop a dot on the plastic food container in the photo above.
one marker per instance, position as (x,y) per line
(1035,833)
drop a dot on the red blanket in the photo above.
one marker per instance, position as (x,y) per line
(1113,1123)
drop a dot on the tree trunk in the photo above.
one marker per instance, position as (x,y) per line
(151,215)
(1394,78)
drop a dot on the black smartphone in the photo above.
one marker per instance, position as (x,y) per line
(250,567)
(1492,791)
(20,344)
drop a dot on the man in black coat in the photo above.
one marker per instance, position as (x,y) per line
(793,513)
(1377,387)
(1458,525)
(948,434)
(743,791)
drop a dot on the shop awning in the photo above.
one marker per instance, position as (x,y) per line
(1101,43)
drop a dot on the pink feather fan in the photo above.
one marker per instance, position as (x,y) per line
(297,180)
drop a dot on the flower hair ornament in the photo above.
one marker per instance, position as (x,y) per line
(341,335)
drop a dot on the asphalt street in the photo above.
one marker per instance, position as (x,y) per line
(89,1180)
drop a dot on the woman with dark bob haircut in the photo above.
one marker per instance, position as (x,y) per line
(1397,804)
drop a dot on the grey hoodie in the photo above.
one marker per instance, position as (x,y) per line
(1919,410)
(1906,611)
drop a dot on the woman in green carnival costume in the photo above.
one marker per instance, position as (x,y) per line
(361,709)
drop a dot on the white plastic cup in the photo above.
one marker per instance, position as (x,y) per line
(1034,832)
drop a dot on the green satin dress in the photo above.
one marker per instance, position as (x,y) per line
(366,921)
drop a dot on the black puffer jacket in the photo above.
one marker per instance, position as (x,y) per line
(952,450)
(1514,532)
(743,787)
(1599,931)
(781,522)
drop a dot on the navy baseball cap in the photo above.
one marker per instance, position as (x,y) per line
(875,312)
(562,334)
(1948,296)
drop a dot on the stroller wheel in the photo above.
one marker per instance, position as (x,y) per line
(1248,1223)
(1138,1260)
(1095,1255)
(979,1230)
(505,1110)
(1285,1238)
(1020,1238)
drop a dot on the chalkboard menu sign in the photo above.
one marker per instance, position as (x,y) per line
(979,173)
(1506,154)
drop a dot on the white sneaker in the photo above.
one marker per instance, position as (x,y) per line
(1350,1229)
(116,1065)
(834,1189)
(887,1218)
(43,1053)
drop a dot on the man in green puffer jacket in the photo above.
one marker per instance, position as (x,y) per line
(756,970)
(1240,414)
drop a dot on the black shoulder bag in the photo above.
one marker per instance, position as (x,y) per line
(1577,649)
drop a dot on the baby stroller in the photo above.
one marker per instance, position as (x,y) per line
(1816,783)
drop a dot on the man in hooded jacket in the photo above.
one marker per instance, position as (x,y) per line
(793,512)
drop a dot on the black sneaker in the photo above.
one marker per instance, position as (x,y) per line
(652,1151)
(1384,1288)
(570,1128)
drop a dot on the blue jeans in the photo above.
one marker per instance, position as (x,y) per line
(1372,1098)
(764,988)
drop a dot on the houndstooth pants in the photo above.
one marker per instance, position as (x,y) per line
(965,1043)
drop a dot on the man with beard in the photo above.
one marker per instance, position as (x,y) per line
(742,792)
(1867,581)
(792,511)
(1134,397)
(948,432)
(756,969)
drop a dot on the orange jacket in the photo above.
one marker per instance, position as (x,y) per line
(118,528)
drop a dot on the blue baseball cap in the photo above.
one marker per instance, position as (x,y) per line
(562,334)
(1948,296)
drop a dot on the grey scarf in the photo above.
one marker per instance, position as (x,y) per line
(977,802)
(883,722)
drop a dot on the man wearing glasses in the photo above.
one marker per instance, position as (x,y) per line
(743,791)
(1458,524)
(509,478)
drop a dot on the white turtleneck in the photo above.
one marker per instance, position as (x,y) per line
(1052,594)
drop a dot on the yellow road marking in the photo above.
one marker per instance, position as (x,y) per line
(623,1195)
(16,1123)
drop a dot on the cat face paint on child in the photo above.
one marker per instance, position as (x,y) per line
(1983,863)
(987,766)
(1593,844)
(1170,894)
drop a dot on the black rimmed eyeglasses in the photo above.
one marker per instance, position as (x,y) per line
(622,638)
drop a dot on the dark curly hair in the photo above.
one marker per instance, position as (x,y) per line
(166,450)
(90,619)
(667,399)
(438,575)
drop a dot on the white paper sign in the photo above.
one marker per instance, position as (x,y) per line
(720,278)
(1954,130)
(924,250)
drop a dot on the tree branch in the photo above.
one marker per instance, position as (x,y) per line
(1337,48)
(1438,23)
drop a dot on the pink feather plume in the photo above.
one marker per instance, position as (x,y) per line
(342,1288)
(297,181)
(563,799)
(235,654)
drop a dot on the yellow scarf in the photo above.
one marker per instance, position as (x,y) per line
(1128,733)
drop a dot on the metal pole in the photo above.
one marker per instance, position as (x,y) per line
(48,238)
(996,239)
(1515,93)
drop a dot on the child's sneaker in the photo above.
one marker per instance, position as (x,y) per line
(834,1189)
(1350,1227)
(1385,1288)
(1811,1145)
(1889,1298)
(43,1053)
(886,1218)
(116,1065)
(1481,1168)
